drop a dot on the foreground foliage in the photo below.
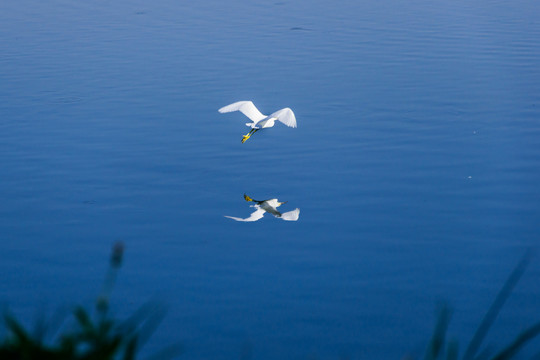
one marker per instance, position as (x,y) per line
(88,335)
(96,335)
(439,348)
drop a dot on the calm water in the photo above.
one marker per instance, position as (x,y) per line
(415,164)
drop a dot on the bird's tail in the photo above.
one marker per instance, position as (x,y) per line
(248,198)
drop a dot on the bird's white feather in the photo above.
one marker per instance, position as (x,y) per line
(245,107)
(286,116)
(256,215)
(291,215)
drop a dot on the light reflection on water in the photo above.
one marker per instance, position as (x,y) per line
(415,164)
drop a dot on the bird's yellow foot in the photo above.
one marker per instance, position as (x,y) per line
(245,137)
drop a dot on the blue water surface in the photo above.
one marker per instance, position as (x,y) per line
(415,166)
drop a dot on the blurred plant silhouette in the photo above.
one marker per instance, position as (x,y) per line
(94,335)
(439,348)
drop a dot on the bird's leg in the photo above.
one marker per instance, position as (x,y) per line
(248,135)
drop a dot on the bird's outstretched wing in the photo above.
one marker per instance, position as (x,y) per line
(286,116)
(245,107)
(291,215)
(256,215)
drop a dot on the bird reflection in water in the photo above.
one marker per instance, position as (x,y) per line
(268,206)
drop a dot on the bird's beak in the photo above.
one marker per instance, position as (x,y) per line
(281,203)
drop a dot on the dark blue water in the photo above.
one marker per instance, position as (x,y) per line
(415,165)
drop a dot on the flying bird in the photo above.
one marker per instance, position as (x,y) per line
(258,120)
(267,206)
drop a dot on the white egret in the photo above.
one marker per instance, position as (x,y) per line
(260,121)
(267,206)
